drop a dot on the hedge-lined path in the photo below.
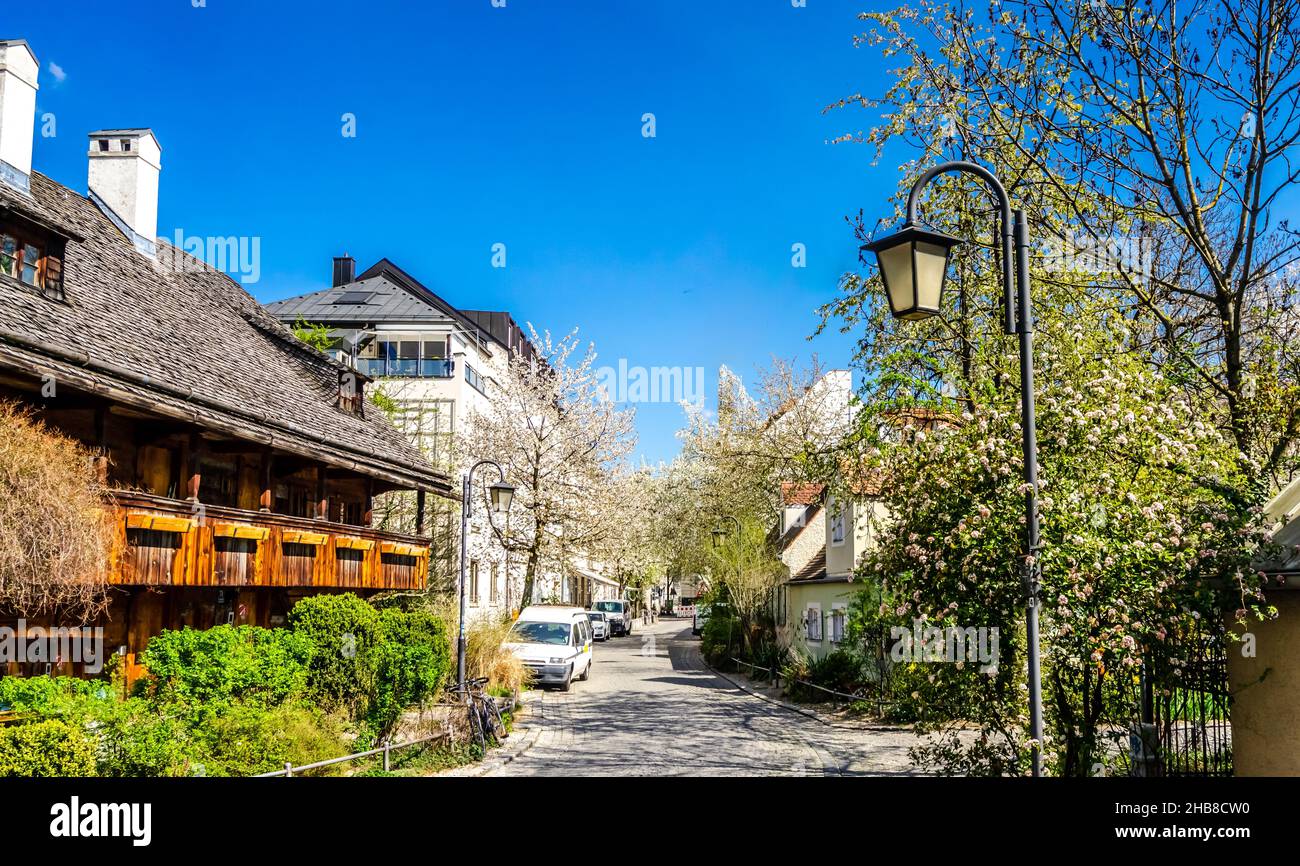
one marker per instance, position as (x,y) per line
(654,708)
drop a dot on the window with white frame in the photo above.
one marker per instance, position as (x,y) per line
(813,623)
(837,524)
(838,617)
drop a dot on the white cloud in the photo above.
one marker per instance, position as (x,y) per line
(57,71)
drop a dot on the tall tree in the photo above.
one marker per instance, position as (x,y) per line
(560,438)
(1158,133)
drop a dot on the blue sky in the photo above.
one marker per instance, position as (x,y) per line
(520,125)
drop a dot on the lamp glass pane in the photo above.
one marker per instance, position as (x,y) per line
(931,263)
(896,269)
(501,496)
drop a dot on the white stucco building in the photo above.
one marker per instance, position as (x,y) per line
(437,364)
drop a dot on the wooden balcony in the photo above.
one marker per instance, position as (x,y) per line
(171,542)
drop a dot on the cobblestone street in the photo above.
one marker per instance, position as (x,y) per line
(653,708)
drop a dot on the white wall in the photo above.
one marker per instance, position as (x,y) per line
(18,85)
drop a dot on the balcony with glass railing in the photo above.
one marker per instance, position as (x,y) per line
(407,368)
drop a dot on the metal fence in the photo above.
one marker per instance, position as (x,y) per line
(386,750)
(1188,705)
(775,676)
(386,747)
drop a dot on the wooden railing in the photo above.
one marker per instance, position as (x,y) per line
(171,542)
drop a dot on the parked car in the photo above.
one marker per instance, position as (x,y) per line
(618,612)
(554,642)
(599,625)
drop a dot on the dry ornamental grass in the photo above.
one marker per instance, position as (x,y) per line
(56,535)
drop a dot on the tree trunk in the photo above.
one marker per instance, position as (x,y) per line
(530,572)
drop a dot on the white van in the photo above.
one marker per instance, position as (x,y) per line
(618,613)
(554,642)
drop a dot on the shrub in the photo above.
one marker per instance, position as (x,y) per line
(412,661)
(771,655)
(53,696)
(245,740)
(343,631)
(140,738)
(47,748)
(204,670)
(840,670)
(720,638)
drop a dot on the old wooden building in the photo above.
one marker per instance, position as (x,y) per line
(240,463)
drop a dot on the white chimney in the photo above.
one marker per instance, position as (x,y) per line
(124,167)
(18,71)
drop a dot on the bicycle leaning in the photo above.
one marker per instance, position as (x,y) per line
(486,724)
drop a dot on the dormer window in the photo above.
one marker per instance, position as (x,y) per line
(31,261)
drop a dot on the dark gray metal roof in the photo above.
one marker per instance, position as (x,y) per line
(395,298)
(389,302)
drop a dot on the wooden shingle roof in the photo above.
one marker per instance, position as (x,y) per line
(174,336)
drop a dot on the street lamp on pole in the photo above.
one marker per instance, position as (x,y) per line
(501,494)
(913,262)
(720,533)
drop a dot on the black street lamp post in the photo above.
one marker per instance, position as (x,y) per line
(501,493)
(912,264)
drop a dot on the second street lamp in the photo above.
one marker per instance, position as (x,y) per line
(912,264)
(721,532)
(501,494)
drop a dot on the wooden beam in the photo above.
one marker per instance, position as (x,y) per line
(234,446)
(369,518)
(266,501)
(322,498)
(419,512)
(157,432)
(101,444)
(193,480)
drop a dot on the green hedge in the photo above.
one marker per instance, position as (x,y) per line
(720,637)
(47,748)
(371,663)
(344,632)
(207,670)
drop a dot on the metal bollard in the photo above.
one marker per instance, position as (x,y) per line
(388,745)
(288,769)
